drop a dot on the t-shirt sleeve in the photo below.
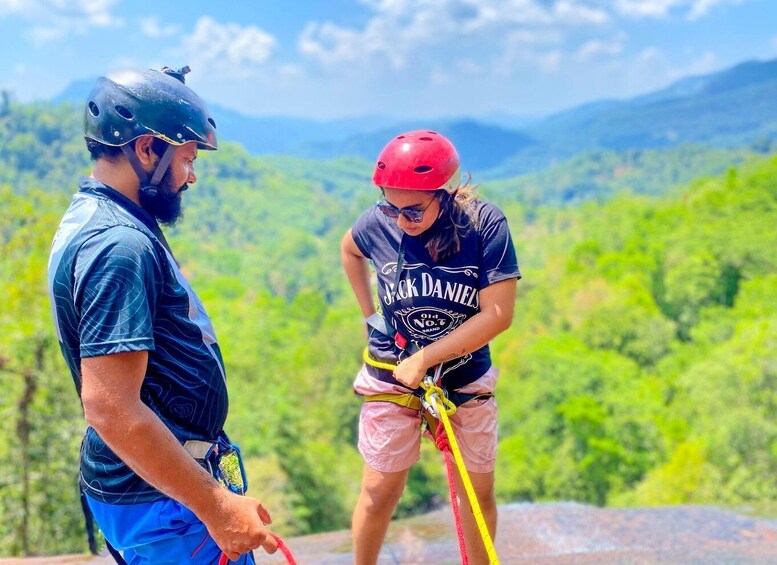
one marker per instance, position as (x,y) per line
(498,260)
(363,232)
(116,276)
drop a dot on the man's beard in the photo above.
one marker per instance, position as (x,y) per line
(163,203)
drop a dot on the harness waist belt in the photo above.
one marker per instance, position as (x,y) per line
(200,449)
(413,401)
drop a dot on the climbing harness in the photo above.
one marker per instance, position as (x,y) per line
(414,399)
(223,461)
(436,405)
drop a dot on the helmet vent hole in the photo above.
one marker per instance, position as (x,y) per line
(425,138)
(93,109)
(401,137)
(212,122)
(124,113)
(421,169)
(381,165)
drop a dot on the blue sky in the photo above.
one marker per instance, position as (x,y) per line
(396,58)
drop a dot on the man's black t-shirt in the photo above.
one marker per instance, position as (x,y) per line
(116,288)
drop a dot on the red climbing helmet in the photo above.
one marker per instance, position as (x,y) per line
(418,160)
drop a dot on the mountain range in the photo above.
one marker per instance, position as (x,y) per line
(729,108)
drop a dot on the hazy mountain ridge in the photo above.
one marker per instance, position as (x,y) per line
(730,108)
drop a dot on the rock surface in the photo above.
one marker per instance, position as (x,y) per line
(547,534)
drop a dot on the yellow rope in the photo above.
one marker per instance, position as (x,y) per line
(432,394)
(375,363)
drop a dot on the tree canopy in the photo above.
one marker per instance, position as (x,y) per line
(639,369)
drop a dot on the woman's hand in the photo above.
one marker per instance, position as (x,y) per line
(410,372)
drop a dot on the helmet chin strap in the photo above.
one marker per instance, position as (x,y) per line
(150,185)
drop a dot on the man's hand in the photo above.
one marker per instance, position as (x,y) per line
(237,524)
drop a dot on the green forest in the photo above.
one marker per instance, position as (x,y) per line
(640,368)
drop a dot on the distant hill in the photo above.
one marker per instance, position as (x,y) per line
(731,108)
(482,145)
(261,135)
(486,145)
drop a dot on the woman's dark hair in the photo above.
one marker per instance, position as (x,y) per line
(100,150)
(456,218)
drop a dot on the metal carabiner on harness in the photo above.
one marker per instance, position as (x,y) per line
(430,383)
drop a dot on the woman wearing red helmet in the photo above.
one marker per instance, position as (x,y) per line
(446,273)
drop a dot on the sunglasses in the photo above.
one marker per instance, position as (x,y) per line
(413,215)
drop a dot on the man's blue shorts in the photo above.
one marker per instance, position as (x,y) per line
(159,533)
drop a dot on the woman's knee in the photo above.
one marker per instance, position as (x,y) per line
(381,490)
(483,486)
(377,497)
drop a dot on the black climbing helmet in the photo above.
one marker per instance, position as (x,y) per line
(127,104)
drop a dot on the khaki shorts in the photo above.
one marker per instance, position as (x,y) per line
(390,435)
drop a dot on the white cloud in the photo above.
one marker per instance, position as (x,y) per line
(596,48)
(53,19)
(440,77)
(151,27)
(47,34)
(692,9)
(646,8)
(577,13)
(551,61)
(535,49)
(649,54)
(331,45)
(703,64)
(11,6)
(469,66)
(653,68)
(290,71)
(228,48)
(521,38)
(400,31)
(700,8)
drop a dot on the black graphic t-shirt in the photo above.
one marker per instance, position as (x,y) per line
(431,300)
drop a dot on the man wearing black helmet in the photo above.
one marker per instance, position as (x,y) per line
(138,342)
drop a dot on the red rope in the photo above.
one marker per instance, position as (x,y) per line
(443,444)
(284,549)
(223,560)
